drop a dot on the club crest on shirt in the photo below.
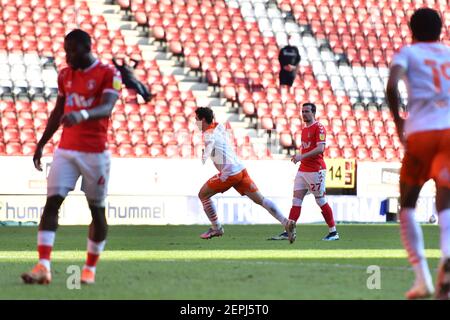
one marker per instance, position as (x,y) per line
(321,136)
(91,84)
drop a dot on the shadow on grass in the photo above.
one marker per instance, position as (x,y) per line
(219,279)
(236,237)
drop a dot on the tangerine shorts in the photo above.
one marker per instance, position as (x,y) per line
(427,156)
(241,182)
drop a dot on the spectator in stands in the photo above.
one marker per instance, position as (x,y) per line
(289,58)
(129,79)
(425,66)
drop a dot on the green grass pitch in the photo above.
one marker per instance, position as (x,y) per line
(172,262)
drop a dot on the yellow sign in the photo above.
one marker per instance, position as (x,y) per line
(117,83)
(340,173)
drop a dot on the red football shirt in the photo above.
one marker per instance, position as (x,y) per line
(83,89)
(311,137)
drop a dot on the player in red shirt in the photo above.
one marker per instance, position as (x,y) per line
(87,93)
(312,172)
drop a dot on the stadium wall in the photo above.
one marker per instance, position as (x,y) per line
(164,191)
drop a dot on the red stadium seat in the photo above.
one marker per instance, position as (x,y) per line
(126,150)
(286,139)
(348,153)
(172,151)
(13,149)
(28,148)
(362,154)
(141,150)
(157,151)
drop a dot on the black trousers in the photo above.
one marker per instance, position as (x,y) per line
(287,77)
(140,88)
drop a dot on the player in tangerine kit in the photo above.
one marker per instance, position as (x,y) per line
(232,174)
(87,92)
(312,172)
(425,64)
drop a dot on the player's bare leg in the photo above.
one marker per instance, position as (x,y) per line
(272,208)
(98,230)
(443,276)
(41,272)
(216,229)
(412,238)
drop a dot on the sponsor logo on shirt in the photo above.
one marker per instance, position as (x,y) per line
(306,145)
(74,99)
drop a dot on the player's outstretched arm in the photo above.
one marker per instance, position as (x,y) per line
(393,97)
(54,121)
(103,110)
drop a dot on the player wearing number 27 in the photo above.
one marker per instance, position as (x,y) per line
(312,172)
(425,64)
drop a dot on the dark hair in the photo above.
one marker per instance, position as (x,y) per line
(425,24)
(312,105)
(81,37)
(205,113)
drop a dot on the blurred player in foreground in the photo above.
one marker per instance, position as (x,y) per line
(232,173)
(87,92)
(426,135)
(312,172)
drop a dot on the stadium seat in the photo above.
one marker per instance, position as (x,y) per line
(345,58)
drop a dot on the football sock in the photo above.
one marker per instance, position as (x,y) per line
(45,241)
(328,216)
(274,211)
(294,214)
(296,209)
(210,210)
(94,249)
(444,224)
(412,238)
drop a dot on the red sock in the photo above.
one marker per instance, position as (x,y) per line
(294,214)
(328,215)
(93,252)
(92,259)
(44,252)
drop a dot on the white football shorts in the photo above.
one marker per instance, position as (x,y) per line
(312,181)
(69,165)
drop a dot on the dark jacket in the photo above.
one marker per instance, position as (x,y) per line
(289,55)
